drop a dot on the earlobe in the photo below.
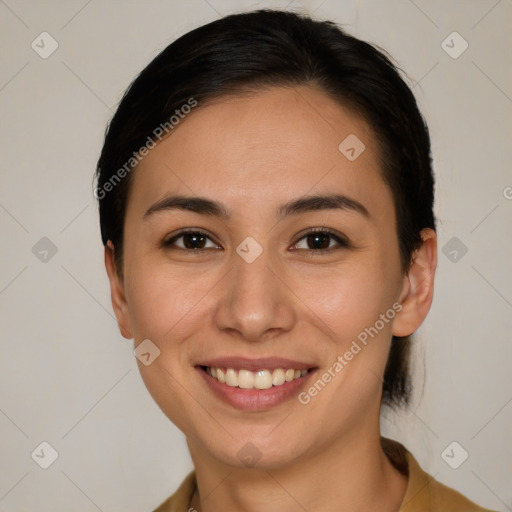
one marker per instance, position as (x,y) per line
(117,294)
(418,290)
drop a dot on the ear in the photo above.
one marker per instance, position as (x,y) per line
(117,295)
(418,288)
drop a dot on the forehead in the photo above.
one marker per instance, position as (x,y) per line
(265,147)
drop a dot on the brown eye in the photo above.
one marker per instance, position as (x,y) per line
(190,240)
(320,240)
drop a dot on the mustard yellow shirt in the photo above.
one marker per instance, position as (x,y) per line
(423,494)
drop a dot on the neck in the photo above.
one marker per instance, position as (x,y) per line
(353,474)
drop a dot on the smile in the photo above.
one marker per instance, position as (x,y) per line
(261,379)
(255,384)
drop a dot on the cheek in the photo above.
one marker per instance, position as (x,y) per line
(348,300)
(165,306)
(357,306)
(160,299)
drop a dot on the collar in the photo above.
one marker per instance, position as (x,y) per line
(423,494)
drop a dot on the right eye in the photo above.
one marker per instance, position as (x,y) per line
(190,240)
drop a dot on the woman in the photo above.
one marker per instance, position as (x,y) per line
(266,194)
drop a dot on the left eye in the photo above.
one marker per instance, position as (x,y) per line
(320,241)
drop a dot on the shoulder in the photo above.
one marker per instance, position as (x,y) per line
(444,498)
(424,493)
(179,501)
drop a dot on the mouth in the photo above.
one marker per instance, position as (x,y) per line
(255,384)
(247,379)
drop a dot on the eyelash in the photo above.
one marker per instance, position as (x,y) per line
(340,240)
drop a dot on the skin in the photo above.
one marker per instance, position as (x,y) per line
(254,153)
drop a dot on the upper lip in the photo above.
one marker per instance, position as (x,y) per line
(263,363)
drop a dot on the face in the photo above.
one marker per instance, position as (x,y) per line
(265,282)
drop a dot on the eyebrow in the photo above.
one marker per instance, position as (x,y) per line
(214,208)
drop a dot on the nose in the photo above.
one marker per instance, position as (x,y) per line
(256,302)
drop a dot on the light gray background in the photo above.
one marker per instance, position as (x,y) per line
(67,376)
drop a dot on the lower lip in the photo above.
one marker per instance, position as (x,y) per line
(255,399)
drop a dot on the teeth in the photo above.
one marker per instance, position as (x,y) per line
(245,379)
(262,379)
(278,377)
(231,378)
